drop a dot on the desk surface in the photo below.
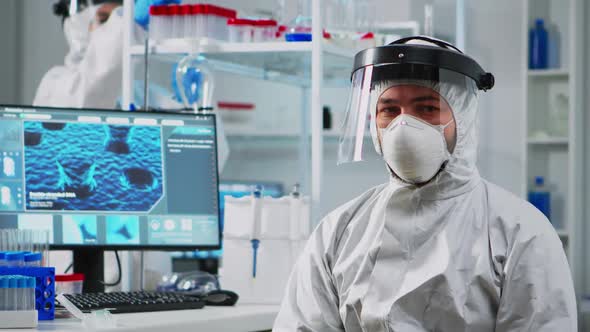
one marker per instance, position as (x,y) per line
(240,318)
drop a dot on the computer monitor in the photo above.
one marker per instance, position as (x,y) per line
(104,179)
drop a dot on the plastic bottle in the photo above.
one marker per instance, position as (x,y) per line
(538,46)
(553,47)
(540,197)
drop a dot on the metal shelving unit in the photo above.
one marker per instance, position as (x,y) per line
(307,64)
(556,156)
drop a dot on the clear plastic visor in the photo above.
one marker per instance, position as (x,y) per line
(380,94)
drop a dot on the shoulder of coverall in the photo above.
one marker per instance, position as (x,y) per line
(512,220)
(334,225)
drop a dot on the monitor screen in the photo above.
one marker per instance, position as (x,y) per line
(111,179)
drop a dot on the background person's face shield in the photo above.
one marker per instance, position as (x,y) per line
(381,94)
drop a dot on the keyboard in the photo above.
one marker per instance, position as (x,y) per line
(128,302)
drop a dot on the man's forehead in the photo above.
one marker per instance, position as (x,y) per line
(408,92)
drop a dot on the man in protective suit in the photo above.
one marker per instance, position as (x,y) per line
(437,248)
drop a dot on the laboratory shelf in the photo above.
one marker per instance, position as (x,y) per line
(289,62)
(548,73)
(549,141)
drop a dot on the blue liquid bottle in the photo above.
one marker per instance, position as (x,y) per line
(540,197)
(538,46)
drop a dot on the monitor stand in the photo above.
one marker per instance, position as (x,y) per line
(90,262)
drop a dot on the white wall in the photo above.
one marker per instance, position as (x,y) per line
(42,45)
(8,57)
(498,48)
(33,42)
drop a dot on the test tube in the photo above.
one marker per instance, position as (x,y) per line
(3,240)
(185,21)
(177,22)
(2,258)
(31,285)
(11,299)
(3,293)
(167,27)
(21,286)
(33,259)
(41,245)
(155,22)
(15,258)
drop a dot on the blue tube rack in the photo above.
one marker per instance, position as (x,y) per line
(44,287)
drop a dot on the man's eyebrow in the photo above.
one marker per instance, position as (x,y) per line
(388,101)
(424,98)
(385,100)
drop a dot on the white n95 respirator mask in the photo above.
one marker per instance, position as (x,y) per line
(414,150)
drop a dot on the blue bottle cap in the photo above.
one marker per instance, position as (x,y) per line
(539,181)
(33,257)
(31,282)
(12,282)
(22,282)
(3,282)
(539,21)
(14,256)
(257,192)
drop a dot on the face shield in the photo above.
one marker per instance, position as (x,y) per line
(425,87)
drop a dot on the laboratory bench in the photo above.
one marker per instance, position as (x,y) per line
(239,318)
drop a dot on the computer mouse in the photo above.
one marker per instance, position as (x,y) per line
(221,298)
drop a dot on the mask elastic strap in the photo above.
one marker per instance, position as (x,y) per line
(446,125)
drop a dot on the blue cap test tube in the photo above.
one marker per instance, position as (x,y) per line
(33,259)
(15,258)
(3,293)
(31,286)
(12,291)
(17,293)
(2,258)
(21,288)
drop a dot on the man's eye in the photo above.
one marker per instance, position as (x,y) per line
(427,108)
(390,110)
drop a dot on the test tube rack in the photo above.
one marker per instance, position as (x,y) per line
(44,287)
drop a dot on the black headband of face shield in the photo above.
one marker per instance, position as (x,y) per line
(423,61)
(395,72)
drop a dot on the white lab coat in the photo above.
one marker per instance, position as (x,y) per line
(456,254)
(91,76)
(483,260)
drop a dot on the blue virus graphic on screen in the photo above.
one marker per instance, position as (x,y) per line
(92,167)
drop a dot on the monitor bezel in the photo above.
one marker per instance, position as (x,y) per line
(178,112)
